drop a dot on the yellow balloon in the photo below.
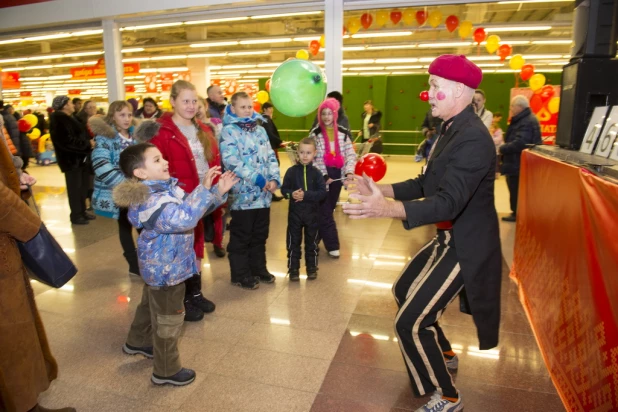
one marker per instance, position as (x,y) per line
(31,119)
(409,16)
(382,18)
(322,41)
(35,133)
(262,96)
(493,42)
(465,29)
(517,62)
(354,25)
(166,105)
(435,18)
(302,54)
(42,142)
(537,81)
(554,105)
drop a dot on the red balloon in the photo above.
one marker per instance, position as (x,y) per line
(396,16)
(451,23)
(267,86)
(504,51)
(527,71)
(314,47)
(23,125)
(480,35)
(421,17)
(424,96)
(536,103)
(373,165)
(547,92)
(257,107)
(366,20)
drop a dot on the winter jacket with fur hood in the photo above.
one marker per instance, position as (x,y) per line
(105,163)
(168,216)
(246,151)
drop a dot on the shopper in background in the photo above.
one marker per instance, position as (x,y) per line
(371,127)
(216,102)
(88,110)
(77,104)
(73,147)
(478,102)
(149,109)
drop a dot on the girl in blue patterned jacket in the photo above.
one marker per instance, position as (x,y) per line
(168,217)
(113,133)
(245,150)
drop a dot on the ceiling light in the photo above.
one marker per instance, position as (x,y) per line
(516,28)
(136,59)
(358,61)
(45,66)
(249,53)
(216,20)
(307,38)
(490,65)
(366,68)
(215,44)
(172,69)
(206,55)
(174,57)
(62,76)
(403,67)
(381,34)
(453,44)
(91,53)
(152,26)
(15,69)
(395,73)
(48,37)
(263,41)
(403,46)
(48,57)
(239,66)
(354,48)
(552,42)
(132,50)
(11,41)
(13,60)
(403,60)
(273,16)
(270,64)
(86,33)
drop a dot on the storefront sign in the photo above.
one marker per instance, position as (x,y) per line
(150,81)
(25,94)
(10,80)
(74,92)
(98,71)
(129,89)
(167,80)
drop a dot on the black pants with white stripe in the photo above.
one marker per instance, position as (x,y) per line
(426,287)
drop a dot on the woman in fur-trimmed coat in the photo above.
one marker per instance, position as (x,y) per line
(27,366)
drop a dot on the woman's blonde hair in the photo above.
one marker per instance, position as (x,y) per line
(114,108)
(177,88)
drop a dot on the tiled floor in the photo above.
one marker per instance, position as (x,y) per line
(326,345)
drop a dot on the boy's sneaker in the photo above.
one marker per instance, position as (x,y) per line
(294,275)
(192,313)
(312,273)
(438,404)
(183,377)
(452,363)
(266,277)
(334,254)
(202,303)
(249,282)
(219,251)
(134,350)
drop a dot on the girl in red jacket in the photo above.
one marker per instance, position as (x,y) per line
(191,149)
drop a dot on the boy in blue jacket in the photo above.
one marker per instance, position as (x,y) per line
(305,187)
(166,257)
(246,151)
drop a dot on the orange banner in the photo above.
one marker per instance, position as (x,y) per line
(167,79)
(565,263)
(10,80)
(150,81)
(98,71)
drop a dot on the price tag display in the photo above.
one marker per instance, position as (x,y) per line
(608,136)
(595,127)
(614,153)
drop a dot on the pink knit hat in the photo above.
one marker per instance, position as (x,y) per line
(332,104)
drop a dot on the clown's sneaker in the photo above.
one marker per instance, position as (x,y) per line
(438,404)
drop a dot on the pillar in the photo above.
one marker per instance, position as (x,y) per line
(333,29)
(114,69)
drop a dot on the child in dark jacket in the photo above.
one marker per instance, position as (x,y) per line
(168,217)
(305,187)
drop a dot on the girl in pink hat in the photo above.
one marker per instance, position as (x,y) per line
(336,159)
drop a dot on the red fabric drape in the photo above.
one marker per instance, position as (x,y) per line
(566,265)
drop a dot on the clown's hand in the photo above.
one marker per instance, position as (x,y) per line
(359,184)
(373,204)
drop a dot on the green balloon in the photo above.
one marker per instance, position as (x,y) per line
(297,87)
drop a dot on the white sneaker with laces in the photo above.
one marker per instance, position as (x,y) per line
(437,404)
(334,253)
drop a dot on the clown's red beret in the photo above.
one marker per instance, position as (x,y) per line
(458,69)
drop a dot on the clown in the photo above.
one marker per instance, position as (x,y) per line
(456,193)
